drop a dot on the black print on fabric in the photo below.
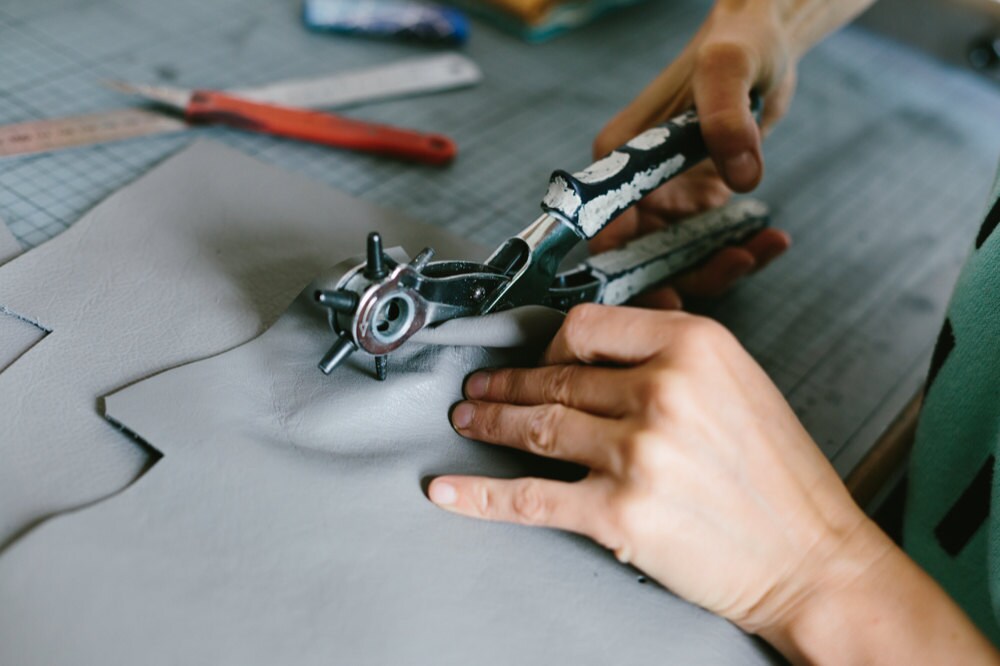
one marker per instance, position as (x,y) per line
(968,514)
(992,219)
(945,343)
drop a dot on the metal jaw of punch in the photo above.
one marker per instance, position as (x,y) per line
(378,305)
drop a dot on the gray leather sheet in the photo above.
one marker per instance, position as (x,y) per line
(199,255)
(286,523)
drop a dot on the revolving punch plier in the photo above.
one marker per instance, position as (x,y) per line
(379,304)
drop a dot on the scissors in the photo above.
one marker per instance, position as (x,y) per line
(379,304)
(209,106)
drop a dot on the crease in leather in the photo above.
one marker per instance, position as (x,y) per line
(287,524)
(196,257)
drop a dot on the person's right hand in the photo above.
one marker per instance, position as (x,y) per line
(701,475)
(742,46)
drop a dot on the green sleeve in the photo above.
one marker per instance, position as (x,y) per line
(949,528)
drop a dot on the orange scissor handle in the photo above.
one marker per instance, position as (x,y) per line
(317,127)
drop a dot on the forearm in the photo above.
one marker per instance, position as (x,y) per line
(878,606)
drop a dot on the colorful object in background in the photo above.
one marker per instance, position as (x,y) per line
(403,78)
(388,18)
(539,20)
(209,106)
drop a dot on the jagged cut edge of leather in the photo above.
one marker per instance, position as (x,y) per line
(131,434)
(4,310)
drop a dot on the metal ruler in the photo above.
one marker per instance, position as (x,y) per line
(406,77)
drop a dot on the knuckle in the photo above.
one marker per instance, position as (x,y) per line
(578,318)
(644,455)
(500,384)
(625,517)
(656,391)
(633,516)
(728,56)
(507,385)
(483,498)
(561,382)
(489,420)
(542,428)
(702,333)
(528,503)
(730,126)
(578,326)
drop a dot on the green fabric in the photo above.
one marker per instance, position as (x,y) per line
(959,430)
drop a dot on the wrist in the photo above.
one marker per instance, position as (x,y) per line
(868,602)
(812,617)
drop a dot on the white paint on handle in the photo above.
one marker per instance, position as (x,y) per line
(596,213)
(685,118)
(562,198)
(650,139)
(650,259)
(603,169)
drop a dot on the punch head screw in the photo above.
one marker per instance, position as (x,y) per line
(339,352)
(375,267)
(338,300)
(381,367)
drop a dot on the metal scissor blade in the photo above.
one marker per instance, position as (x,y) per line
(175,98)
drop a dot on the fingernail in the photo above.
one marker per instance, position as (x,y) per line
(741,171)
(462,415)
(476,384)
(443,494)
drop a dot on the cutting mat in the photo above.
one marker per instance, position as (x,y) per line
(880,171)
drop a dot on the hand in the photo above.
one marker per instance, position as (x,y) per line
(742,46)
(701,475)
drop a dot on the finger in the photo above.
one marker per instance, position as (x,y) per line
(527,501)
(778,101)
(729,265)
(620,231)
(664,298)
(724,76)
(692,192)
(592,389)
(718,274)
(605,334)
(767,245)
(552,430)
(665,96)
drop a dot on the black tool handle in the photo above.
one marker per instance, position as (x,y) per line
(588,200)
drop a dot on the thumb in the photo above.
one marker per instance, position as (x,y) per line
(724,75)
